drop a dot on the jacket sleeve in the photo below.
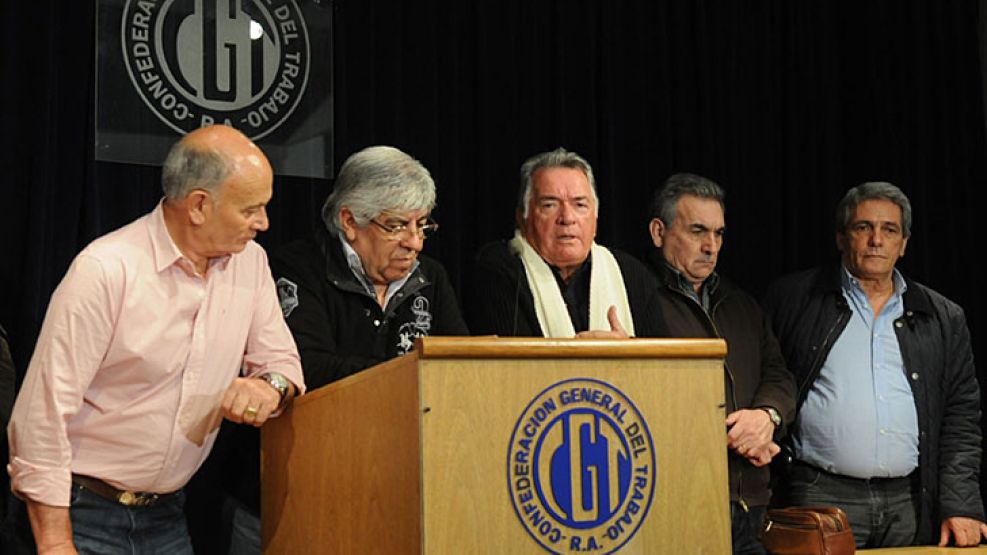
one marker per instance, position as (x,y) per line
(960,433)
(777,387)
(499,302)
(642,294)
(777,309)
(312,325)
(789,323)
(448,319)
(270,346)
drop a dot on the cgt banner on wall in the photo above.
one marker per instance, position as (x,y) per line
(167,67)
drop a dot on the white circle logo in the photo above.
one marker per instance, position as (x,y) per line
(244,63)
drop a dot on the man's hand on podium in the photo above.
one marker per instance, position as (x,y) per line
(966,532)
(617,331)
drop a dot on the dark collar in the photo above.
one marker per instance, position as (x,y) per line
(673,279)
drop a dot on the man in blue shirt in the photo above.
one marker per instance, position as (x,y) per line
(888,414)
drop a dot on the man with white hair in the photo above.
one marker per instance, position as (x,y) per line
(356,294)
(552,279)
(361,292)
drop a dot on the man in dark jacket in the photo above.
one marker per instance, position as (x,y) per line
(360,292)
(552,279)
(356,294)
(888,424)
(687,228)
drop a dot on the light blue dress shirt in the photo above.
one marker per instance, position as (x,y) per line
(859,416)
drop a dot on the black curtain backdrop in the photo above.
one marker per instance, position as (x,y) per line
(786,104)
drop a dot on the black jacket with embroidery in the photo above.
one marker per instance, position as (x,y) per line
(809,313)
(339,327)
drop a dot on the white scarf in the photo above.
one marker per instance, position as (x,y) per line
(606,289)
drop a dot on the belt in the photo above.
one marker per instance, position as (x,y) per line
(877,480)
(123,497)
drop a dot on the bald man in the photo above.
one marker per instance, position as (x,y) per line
(158,331)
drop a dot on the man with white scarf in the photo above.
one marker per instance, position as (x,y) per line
(552,279)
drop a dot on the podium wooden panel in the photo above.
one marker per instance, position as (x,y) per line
(411,456)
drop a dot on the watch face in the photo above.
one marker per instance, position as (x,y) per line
(774,417)
(278,382)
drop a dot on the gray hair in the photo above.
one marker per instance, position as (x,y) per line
(378,179)
(873,190)
(558,158)
(664,203)
(187,168)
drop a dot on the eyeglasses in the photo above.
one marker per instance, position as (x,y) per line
(398,231)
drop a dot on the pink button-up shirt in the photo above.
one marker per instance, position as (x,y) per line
(133,359)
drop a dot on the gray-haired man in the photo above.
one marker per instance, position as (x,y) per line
(687,225)
(552,279)
(888,424)
(356,294)
(360,293)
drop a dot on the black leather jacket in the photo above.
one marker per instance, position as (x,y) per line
(809,313)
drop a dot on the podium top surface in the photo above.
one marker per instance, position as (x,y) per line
(539,347)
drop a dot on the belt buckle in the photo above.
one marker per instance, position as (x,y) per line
(131,499)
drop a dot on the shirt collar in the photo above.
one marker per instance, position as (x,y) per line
(165,252)
(163,247)
(851,283)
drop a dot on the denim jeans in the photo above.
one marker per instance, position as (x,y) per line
(745,527)
(882,512)
(244,528)
(101,526)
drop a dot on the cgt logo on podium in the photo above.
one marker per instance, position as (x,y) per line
(581,467)
(196,62)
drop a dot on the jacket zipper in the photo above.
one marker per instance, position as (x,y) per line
(733,397)
(729,373)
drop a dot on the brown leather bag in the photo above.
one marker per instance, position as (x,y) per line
(807,531)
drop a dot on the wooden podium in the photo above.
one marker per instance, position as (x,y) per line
(504,446)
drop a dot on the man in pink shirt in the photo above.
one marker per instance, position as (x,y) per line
(158,331)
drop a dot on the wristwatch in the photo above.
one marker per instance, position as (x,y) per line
(279,383)
(773,415)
